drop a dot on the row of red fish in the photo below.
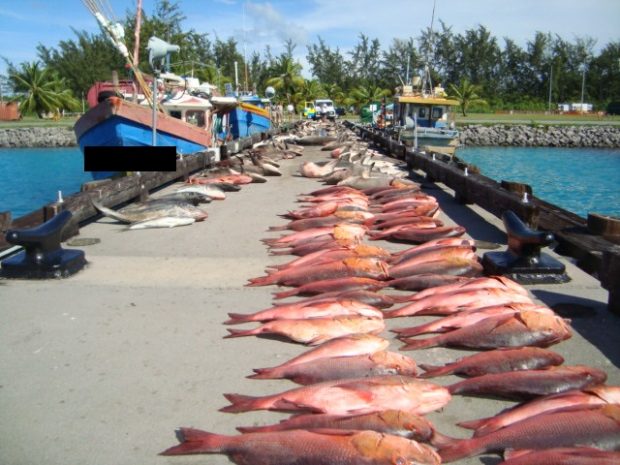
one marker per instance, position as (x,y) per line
(359,402)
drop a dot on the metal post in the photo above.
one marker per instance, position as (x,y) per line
(154,98)
(583,84)
(550,84)
(415,132)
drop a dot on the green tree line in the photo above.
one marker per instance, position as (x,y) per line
(502,74)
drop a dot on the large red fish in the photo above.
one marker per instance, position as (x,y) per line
(315,331)
(344,397)
(419,235)
(498,282)
(298,447)
(416,265)
(525,384)
(571,400)
(304,311)
(331,285)
(426,281)
(496,361)
(345,346)
(330,255)
(396,422)
(452,302)
(469,317)
(349,267)
(518,330)
(563,456)
(598,427)
(371,298)
(330,368)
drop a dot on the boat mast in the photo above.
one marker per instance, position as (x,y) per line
(426,80)
(136,47)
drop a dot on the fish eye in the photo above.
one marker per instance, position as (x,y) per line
(400,461)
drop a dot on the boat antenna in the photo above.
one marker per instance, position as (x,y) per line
(116,34)
(427,72)
(245,58)
(136,47)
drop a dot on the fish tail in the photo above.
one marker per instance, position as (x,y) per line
(406,332)
(473,424)
(285,294)
(419,344)
(241,332)
(195,441)
(433,370)
(279,252)
(261,281)
(237,318)
(240,403)
(439,440)
(458,449)
(111,213)
(263,373)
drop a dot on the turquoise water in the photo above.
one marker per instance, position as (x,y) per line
(32,178)
(578,180)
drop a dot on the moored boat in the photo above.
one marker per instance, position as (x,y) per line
(251,116)
(423,119)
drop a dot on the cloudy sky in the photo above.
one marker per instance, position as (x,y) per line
(26,23)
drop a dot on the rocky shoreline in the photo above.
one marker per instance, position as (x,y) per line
(37,137)
(540,136)
(471,135)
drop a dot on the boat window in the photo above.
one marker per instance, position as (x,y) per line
(437,112)
(195,117)
(175,114)
(422,113)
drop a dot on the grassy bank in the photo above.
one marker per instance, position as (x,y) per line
(537,118)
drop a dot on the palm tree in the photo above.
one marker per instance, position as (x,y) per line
(334,92)
(365,94)
(466,93)
(43,91)
(288,78)
(311,89)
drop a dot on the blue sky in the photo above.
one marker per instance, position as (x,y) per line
(26,23)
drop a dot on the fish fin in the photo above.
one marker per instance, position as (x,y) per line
(195,441)
(237,318)
(441,440)
(278,228)
(263,373)
(261,281)
(473,424)
(241,332)
(285,294)
(433,370)
(239,403)
(413,344)
(111,213)
(514,453)
(289,405)
(458,449)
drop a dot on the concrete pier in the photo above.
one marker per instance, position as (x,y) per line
(101,368)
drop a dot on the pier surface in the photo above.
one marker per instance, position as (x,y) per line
(101,368)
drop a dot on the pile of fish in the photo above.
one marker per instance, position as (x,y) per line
(183,206)
(357,402)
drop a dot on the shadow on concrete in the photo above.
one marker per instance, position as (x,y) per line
(589,318)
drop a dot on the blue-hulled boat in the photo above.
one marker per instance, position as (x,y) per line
(251,116)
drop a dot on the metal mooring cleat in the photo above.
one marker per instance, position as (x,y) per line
(42,257)
(523,261)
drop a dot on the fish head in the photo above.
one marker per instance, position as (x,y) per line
(365,250)
(417,425)
(543,322)
(594,375)
(387,449)
(401,364)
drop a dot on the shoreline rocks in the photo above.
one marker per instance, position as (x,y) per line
(37,137)
(540,136)
(499,135)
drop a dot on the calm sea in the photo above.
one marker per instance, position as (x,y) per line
(32,178)
(579,180)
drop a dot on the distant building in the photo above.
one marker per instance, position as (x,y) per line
(575,107)
(9,111)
